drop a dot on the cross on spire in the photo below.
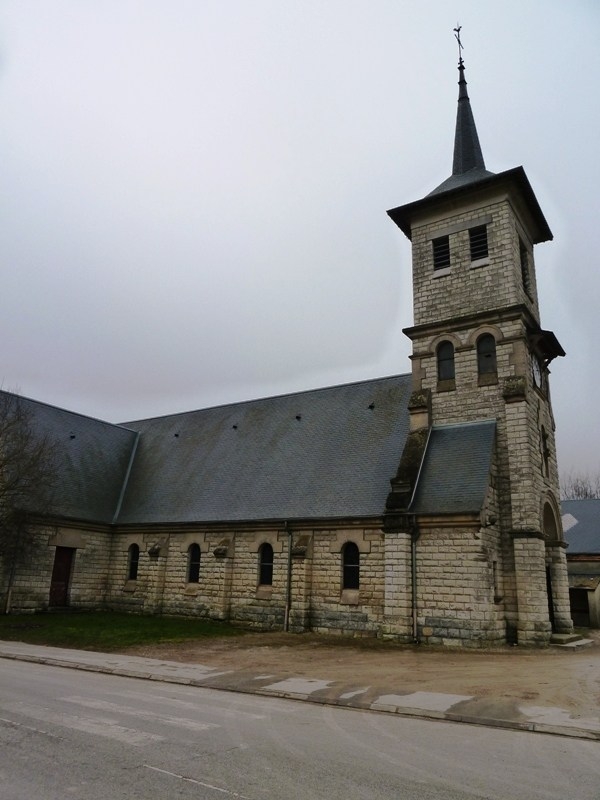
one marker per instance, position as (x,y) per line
(457,31)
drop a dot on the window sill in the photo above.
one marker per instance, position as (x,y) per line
(488,379)
(480,262)
(264,592)
(349,597)
(129,586)
(447,385)
(191,589)
(439,273)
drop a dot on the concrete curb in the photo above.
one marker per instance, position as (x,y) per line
(445,716)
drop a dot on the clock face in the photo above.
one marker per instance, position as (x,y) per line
(537,372)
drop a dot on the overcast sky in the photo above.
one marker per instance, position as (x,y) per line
(193,192)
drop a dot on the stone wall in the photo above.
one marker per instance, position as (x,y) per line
(464,287)
(461,579)
(458,587)
(31,585)
(87,587)
(228,587)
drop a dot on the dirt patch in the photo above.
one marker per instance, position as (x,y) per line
(547,677)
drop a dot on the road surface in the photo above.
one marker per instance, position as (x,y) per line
(71,734)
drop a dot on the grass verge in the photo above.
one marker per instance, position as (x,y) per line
(108,630)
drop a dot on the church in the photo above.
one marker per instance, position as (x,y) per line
(419,507)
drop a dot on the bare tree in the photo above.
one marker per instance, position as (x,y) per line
(580,486)
(27,469)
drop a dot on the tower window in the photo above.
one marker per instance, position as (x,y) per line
(193,567)
(525,274)
(265,565)
(350,566)
(441,252)
(478,242)
(545,453)
(486,355)
(445,361)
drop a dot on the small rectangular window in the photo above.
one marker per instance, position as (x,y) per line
(133,560)
(478,242)
(524,258)
(265,565)
(193,571)
(441,252)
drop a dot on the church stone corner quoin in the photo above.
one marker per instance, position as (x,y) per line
(417,507)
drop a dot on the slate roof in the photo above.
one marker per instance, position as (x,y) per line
(91,460)
(474,175)
(455,473)
(581,525)
(320,454)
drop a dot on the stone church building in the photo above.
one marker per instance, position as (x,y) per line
(422,507)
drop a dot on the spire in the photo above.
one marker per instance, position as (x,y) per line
(467,150)
(468,166)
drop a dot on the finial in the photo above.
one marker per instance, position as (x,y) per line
(457,31)
(467,152)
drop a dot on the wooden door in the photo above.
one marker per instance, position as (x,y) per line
(580,607)
(61,576)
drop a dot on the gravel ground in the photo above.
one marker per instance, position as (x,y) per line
(553,676)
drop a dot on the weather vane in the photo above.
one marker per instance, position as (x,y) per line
(457,37)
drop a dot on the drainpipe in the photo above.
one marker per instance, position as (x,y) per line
(288,588)
(414,535)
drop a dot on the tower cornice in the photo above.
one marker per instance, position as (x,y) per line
(513,181)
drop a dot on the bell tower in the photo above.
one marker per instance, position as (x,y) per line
(480,355)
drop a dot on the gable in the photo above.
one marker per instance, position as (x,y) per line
(91,460)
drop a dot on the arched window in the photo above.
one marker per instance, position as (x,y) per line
(265,565)
(551,529)
(350,566)
(486,355)
(445,361)
(133,560)
(193,565)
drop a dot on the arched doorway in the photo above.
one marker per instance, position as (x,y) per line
(557,580)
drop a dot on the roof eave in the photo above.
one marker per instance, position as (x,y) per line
(513,179)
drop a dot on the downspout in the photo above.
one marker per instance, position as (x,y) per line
(9,591)
(288,588)
(414,535)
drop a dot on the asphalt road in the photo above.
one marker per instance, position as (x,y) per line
(70,734)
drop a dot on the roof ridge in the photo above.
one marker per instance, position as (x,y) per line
(269,397)
(68,411)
